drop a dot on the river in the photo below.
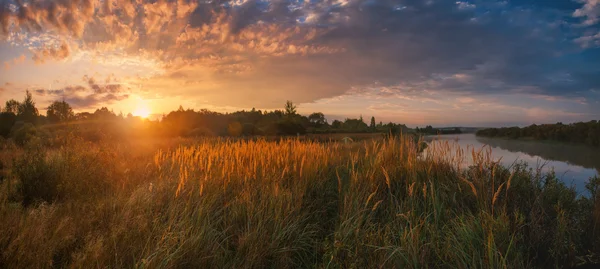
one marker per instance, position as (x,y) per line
(573,164)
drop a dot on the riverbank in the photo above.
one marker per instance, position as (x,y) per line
(587,133)
(258,204)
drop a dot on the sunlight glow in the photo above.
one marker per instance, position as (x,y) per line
(142,110)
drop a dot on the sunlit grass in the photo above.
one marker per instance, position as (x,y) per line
(288,203)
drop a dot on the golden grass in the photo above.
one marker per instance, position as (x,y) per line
(290,203)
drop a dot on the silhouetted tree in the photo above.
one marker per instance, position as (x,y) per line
(336,124)
(355,125)
(12,106)
(83,116)
(579,132)
(373,125)
(27,111)
(60,111)
(235,129)
(7,120)
(317,119)
(290,108)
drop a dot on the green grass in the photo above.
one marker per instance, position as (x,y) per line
(217,203)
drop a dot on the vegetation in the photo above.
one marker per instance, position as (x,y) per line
(429,130)
(581,132)
(184,122)
(133,196)
(253,203)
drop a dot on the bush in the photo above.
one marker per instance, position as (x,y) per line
(25,133)
(200,131)
(7,120)
(72,172)
(290,127)
(38,177)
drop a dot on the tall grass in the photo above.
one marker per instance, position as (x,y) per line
(289,203)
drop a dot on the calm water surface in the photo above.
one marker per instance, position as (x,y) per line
(574,164)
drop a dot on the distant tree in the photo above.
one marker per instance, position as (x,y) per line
(27,110)
(60,111)
(104,114)
(83,116)
(7,120)
(249,129)
(355,125)
(336,124)
(289,127)
(290,108)
(235,129)
(373,125)
(579,132)
(12,106)
(317,119)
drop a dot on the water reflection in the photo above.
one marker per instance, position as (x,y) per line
(574,164)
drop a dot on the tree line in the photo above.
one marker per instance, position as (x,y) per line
(22,119)
(580,132)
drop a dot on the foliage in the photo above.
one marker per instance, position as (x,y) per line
(105,124)
(38,178)
(580,132)
(26,133)
(373,125)
(12,106)
(60,111)
(429,130)
(290,108)
(7,120)
(317,119)
(76,171)
(237,203)
(27,111)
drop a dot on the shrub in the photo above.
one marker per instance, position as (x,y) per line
(72,172)
(200,131)
(38,177)
(7,120)
(26,133)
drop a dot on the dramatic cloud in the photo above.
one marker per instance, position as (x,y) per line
(590,11)
(261,53)
(81,97)
(40,55)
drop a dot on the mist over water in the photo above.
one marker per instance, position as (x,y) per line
(573,164)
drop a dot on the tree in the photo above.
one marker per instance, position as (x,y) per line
(7,120)
(12,106)
(60,111)
(373,125)
(84,116)
(235,129)
(336,124)
(317,119)
(355,125)
(27,111)
(290,108)
(104,114)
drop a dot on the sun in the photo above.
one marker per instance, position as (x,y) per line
(142,111)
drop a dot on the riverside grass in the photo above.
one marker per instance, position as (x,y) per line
(219,203)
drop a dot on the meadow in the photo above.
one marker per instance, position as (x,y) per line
(287,203)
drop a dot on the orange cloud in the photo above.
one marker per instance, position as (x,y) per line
(58,53)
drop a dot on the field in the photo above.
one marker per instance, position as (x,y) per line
(219,203)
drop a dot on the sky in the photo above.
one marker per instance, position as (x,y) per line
(417,62)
